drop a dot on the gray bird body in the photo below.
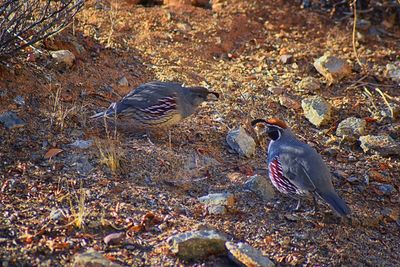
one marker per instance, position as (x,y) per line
(157,104)
(296,169)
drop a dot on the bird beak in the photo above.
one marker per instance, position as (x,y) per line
(214,96)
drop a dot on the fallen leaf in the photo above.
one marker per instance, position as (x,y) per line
(52,153)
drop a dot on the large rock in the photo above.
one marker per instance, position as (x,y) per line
(241,142)
(259,185)
(10,120)
(197,245)
(317,110)
(393,71)
(351,128)
(91,258)
(332,68)
(381,144)
(245,255)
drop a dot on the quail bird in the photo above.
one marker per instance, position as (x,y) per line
(296,169)
(157,104)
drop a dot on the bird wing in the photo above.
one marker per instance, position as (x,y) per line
(154,99)
(293,169)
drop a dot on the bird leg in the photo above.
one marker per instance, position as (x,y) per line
(297,208)
(315,209)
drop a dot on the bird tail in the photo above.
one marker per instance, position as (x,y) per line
(107,113)
(336,203)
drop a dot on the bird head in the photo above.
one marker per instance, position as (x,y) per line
(198,95)
(273,127)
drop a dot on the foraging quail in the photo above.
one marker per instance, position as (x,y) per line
(157,104)
(296,169)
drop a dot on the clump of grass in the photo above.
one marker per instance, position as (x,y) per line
(110,154)
(59,113)
(79,213)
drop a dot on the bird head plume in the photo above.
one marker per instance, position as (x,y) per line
(197,95)
(273,127)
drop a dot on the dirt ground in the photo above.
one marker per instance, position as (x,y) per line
(52,208)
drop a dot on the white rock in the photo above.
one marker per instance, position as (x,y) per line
(123,81)
(64,58)
(393,71)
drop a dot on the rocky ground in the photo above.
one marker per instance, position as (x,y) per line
(68,186)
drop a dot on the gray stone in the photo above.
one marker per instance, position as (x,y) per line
(317,110)
(91,258)
(3,92)
(81,163)
(351,128)
(386,189)
(82,144)
(380,144)
(393,71)
(261,186)
(197,245)
(19,100)
(241,142)
(309,84)
(245,255)
(123,81)
(63,58)
(10,120)
(332,68)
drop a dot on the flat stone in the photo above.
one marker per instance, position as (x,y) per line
(380,144)
(393,71)
(114,238)
(217,210)
(309,84)
(317,110)
(10,120)
(82,144)
(351,128)
(218,199)
(261,187)
(245,255)
(241,142)
(332,68)
(91,258)
(197,245)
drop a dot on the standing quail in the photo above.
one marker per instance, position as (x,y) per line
(157,104)
(296,169)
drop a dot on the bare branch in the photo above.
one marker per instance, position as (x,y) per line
(24,23)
